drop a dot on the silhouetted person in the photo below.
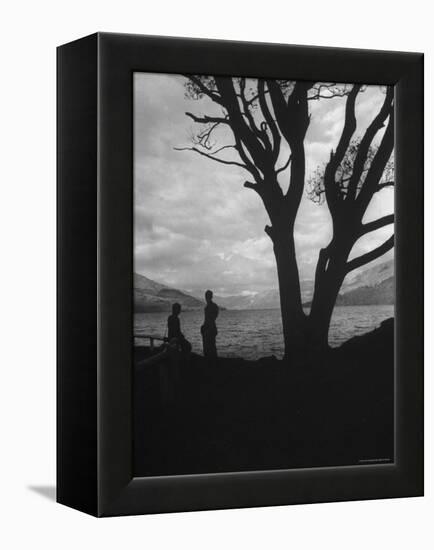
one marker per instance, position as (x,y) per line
(174,334)
(209,327)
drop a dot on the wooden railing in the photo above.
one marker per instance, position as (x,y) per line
(151,338)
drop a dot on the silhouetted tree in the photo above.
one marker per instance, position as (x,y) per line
(356,171)
(267,118)
(249,112)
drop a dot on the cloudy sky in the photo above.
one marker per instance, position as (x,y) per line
(196,226)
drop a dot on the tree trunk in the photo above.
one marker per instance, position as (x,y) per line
(329,277)
(293,317)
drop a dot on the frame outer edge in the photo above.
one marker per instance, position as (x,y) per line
(120,493)
(76,275)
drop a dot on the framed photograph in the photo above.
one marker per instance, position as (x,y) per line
(240,274)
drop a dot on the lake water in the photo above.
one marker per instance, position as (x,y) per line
(252,334)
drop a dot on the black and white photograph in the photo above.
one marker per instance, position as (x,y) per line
(264,295)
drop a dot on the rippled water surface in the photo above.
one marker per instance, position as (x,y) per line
(252,334)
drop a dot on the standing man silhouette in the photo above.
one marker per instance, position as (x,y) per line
(209,327)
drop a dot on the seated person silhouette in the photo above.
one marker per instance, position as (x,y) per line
(209,327)
(174,334)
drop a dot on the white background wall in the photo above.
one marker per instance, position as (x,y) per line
(30,31)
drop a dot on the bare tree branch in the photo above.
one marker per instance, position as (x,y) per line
(246,110)
(255,186)
(332,89)
(376,170)
(250,101)
(366,142)
(280,106)
(332,191)
(269,119)
(210,93)
(293,120)
(348,130)
(210,156)
(371,255)
(245,158)
(222,149)
(203,138)
(385,184)
(238,124)
(329,96)
(316,190)
(376,224)
(208,119)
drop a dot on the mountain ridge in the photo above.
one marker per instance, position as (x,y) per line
(372,286)
(150,296)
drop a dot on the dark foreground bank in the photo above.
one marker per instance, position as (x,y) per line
(335,409)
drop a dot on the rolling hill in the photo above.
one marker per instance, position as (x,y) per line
(150,296)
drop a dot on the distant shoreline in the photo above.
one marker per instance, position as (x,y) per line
(305,306)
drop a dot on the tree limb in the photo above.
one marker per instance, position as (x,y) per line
(246,110)
(250,185)
(255,186)
(330,96)
(376,224)
(385,184)
(210,156)
(298,113)
(239,126)
(210,93)
(254,98)
(293,120)
(376,170)
(269,119)
(334,89)
(222,148)
(203,138)
(348,130)
(371,255)
(207,119)
(332,191)
(245,158)
(365,143)
(279,105)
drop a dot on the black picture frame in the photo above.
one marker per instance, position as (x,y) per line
(95,236)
